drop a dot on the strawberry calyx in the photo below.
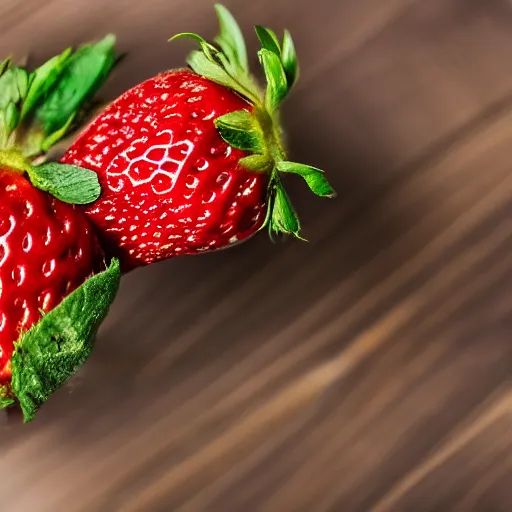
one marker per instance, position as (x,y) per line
(68,183)
(39,108)
(258,130)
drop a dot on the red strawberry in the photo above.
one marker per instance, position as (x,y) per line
(190,161)
(49,309)
(48,252)
(171,184)
(47,249)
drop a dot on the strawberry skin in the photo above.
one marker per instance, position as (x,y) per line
(47,249)
(171,185)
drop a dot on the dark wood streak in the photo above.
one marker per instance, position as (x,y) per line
(368,370)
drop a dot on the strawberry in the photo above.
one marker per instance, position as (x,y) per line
(55,288)
(47,249)
(50,306)
(191,160)
(170,186)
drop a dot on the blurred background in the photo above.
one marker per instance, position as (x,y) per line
(366,370)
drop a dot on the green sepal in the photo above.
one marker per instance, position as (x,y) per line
(43,79)
(200,62)
(52,139)
(203,66)
(13,86)
(69,183)
(268,40)
(39,109)
(13,89)
(256,163)
(208,49)
(277,84)
(289,59)
(283,217)
(59,344)
(12,117)
(314,177)
(241,130)
(228,64)
(231,40)
(82,75)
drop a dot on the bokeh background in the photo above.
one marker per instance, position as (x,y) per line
(366,370)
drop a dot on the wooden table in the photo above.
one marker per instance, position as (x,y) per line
(367,370)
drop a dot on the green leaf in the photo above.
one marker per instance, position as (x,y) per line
(241,130)
(290,60)
(200,63)
(256,163)
(52,139)
(314,177)
(68,183)
(43,79)
(58,345)
(4,133)
(82,75)
(219,67)
(283,218)
(226,65)
(13,86)
(12,117)
(231,39)
(277,84)
(268,40)
(8,88)
(22,83)
(208,49)
(189,35)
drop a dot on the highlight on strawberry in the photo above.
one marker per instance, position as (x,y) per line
(56,285)
(192,160)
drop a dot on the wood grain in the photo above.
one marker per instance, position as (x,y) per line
(365,371)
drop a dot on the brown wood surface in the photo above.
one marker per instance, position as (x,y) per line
(366,371)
